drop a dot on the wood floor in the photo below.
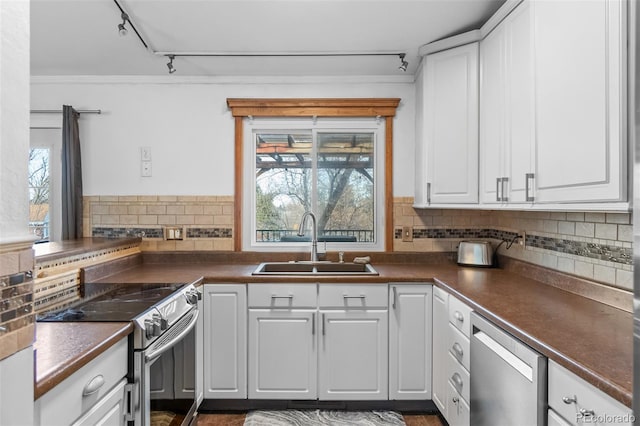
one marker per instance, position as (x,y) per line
(238,420)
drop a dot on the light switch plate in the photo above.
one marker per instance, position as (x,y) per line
(145,153)
(145,170)
(407,233)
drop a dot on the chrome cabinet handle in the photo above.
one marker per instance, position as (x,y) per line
(569,399)
(273,297)
(528,178)
(428,192)
(458,316)
(505,198)
(93,385)
(354,297)
(455,399)
(395,296)
(323,321)
(457,382)
(313,324)
(458,350)
(498,198)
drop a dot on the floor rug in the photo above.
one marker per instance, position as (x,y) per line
(323,418)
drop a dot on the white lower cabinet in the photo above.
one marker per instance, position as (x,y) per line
(95,394)
(410,341)
(353,355)
(282,354)
(225,341)
(577,402)
(451,374)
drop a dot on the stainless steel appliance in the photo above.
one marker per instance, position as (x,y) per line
(475,253)
(509,380)
(162,346)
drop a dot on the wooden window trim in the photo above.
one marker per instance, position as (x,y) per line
(314,107)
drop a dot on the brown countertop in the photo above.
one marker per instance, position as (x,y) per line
(591,339)
(57,249)
(62,348)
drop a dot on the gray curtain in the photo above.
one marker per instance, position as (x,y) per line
(71,175)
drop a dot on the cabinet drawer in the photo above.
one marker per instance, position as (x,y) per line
(460,316)
(458,413)
(572,398)
(554,419)
(295,295)
(459,346)
(353,296)
(67,401)
(458,376)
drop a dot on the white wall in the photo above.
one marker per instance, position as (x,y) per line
(14,119)
(190,130)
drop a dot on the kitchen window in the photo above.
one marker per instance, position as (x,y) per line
(332,167)
(323,121)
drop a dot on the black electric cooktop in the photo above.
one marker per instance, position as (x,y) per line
(111,302)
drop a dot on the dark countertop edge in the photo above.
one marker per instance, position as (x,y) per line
(625,396)
(59,249)
(63,371)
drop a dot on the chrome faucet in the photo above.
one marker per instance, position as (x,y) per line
(314,233)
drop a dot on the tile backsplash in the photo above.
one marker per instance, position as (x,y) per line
(595,246)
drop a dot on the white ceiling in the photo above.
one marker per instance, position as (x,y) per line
(80,37)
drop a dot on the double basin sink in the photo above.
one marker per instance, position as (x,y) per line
(314,268)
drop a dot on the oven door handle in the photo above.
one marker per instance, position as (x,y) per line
(184,327)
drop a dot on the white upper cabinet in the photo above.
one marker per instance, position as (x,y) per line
(447,127)
(506,111)
(580,75)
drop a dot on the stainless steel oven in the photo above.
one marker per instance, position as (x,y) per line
(162,347)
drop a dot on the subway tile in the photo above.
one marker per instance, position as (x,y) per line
(566,265)
(108,219)
(583,269)
(136,209)
(605,274)
(26,260)
(223,220)
(594,217)
(109,198)
(619,218)
(217,209)
(223,244)
(188,198)
(184,219)
(127,198)
(625,233)
(585,229)
(148,198)
(624,279)
(148,219)
(228,209)
(558,215)
(194,209)
(175,209)
(167,198)
(575,216)
(99,208)
(203,220)
(203,245)
(128,219)
(606,231)
(166,220)
(117,209)
(550,226)
(156,209)
(567,228)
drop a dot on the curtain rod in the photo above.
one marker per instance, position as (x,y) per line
(59,111)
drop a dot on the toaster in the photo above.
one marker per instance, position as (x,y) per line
(475,253)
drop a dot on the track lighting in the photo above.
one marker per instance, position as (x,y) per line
(122,30)
(170,64)
(403,63)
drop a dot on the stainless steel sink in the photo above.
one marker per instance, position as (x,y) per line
(314,268)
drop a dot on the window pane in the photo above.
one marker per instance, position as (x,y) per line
(39,192)
(346,186)
(283,183)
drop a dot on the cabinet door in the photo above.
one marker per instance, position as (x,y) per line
(440,340)
(580,92)
(451,125)
(410,341)
(492,115)
(282,354)
(519,143)
(225,341)
(353,355)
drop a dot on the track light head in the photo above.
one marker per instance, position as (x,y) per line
(403,63)
(170,64)
(122,30)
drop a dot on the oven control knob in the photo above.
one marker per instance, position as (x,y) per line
(148,328)
(191,296)
(157,324)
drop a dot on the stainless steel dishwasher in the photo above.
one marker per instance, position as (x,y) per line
(508,379)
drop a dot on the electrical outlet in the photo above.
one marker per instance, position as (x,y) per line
(407,233)
(523,239)
(145,153)
(145,169)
